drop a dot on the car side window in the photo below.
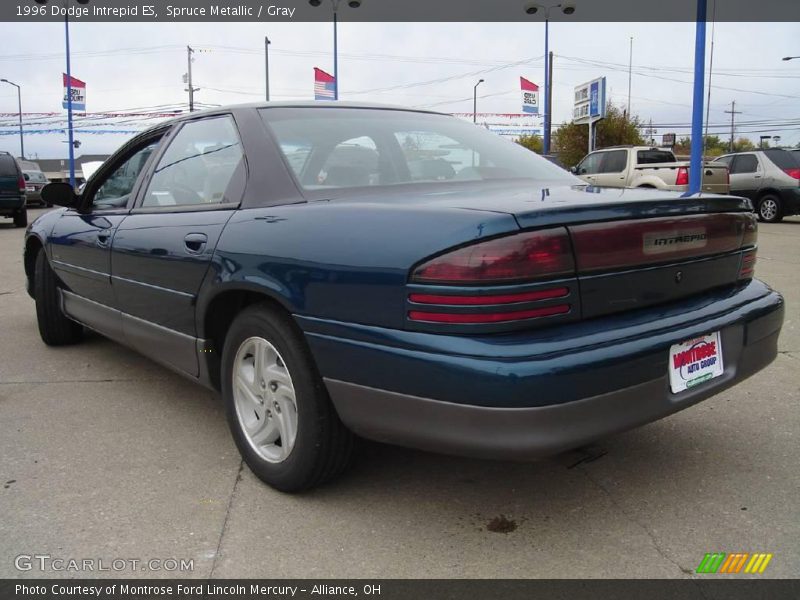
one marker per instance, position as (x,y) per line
(726,160)
(591,164)
(115,191)
(614,161)
(745,163)
(203,164)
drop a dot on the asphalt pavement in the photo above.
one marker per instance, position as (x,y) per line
(107,456)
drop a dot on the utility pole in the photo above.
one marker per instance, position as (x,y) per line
(266,62)
(732,112)
(548,118)
(630,74)
(189,52)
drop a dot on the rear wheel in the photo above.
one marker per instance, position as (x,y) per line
(21,218)
(55,328)
(769,209)
(278,409)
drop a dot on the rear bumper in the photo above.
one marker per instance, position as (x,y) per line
(11,205)
(524,400)
(790,199)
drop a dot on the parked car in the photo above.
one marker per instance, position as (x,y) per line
(12,191)
(34,182)
(770,178)
(505,310)
(646,167)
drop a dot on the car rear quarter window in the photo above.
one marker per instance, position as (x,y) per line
(783,159)
(649,157)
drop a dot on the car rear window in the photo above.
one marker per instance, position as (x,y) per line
(783,159)
(8,166)
(354,148)
(649,157)
(36,176)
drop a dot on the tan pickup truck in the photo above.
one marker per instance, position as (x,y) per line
(647,167)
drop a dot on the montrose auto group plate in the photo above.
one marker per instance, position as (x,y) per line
(695,361)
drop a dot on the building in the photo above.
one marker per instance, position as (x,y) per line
(57,169)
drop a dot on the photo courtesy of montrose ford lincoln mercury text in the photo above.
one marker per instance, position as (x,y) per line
(400,275)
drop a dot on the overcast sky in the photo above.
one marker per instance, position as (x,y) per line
(128,66)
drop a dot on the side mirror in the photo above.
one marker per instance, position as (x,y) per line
(60,194)
(573,170)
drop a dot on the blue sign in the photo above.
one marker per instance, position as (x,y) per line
(594,99)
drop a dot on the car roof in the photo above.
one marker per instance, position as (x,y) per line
(315,104)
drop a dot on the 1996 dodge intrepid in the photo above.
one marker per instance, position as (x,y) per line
(403,276)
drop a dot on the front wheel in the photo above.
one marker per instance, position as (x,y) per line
(55,328)
(769,209)
(278,409)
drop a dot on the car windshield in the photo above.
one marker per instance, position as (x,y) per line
(345,148)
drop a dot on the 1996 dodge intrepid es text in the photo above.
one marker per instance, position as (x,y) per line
(403,276)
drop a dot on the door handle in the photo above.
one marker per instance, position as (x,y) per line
(195,243)
(102,238)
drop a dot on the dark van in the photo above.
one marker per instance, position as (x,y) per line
(12,191)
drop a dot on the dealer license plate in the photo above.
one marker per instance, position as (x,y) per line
(695,361)
(30,188)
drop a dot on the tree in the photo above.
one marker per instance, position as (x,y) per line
(533,143)
(572,140)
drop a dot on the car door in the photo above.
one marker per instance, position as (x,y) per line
(588,168)
(161,252)
(611,172)
(746,175)
(80,243)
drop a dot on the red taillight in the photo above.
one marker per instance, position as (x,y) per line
(560,292)
(792,173)
(494,317)
(21,183)
(682,177)
(748,264)
(520,257)
(750,236)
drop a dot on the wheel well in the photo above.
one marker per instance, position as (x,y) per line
(647,185)
(219,315)
(32,248)
(769,192)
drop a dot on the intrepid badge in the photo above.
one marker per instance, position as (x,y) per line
(661,242)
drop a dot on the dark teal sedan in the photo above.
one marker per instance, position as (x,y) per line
(338,270)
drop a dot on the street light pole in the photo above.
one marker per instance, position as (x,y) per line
(19,104)
(696,162)
(475,101)
(70,136)
(335,6)
(532,8)
(266,62)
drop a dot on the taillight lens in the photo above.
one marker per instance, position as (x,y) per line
(750,236)
(682,177)
(748,264)
(492,317)
(792,173)
(21,183)
(520,257)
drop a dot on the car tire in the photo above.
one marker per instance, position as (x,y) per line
(55,328)
(21,218)
(284,397)
(769,209)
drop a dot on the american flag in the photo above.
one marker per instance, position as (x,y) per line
(324,85)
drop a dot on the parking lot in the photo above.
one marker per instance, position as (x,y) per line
(106,455)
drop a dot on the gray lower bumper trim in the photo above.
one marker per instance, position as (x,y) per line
(525,433)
